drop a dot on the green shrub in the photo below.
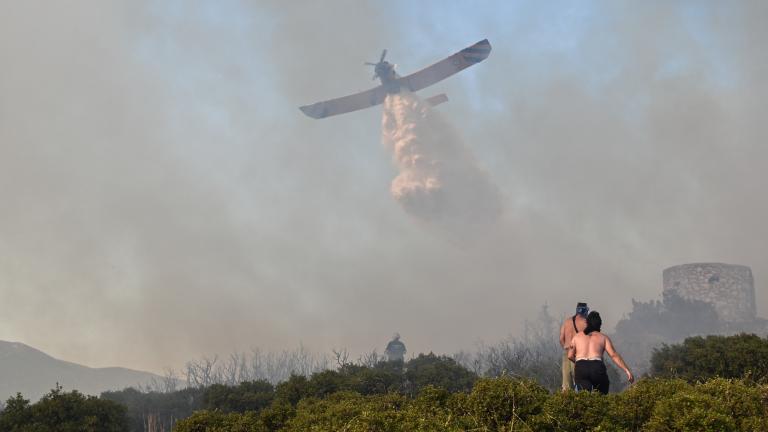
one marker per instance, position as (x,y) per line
(216,421)
(60,411)
(740,401)
(351,412)
(504,403)
(201,421)
(754,424)
(700,359)
(436,410)
(385,377)
(438,371)
(159,409)
(633,408)
(293,389)
(690,411)
(246,396)
(277,415)
(327,382)
(575,411)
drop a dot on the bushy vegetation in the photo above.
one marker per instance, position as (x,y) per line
(60,411)
(701,358)
(492,404)
(162,410)
(156,410)
(513,404)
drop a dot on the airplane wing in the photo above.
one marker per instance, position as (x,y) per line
(447,67)
(346,104)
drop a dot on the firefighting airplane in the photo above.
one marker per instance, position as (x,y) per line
(393,83)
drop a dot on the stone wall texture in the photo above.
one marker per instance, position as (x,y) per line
(730,288)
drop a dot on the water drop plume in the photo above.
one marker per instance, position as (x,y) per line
(439,179)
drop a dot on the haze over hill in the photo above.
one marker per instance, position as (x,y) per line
(33,373)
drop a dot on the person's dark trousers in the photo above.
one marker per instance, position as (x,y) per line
(591,375)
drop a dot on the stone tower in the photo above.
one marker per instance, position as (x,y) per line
(729,288)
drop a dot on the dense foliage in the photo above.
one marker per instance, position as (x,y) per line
(60,411)
(509,404)
(160,411)
(155,410)
(493,404)
(699,358)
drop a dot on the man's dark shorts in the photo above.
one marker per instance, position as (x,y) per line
(591,375)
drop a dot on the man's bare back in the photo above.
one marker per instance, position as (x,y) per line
(592,346)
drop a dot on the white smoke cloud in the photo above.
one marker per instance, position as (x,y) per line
(439,180)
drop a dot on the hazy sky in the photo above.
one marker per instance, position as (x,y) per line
(163,198)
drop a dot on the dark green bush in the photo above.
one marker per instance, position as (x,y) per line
(60,411)
(690,411)
(504,403)
(631,409)
(293,389)
(438,371)
(436,410)
(351,412)
(385,377)
(160,410)
(246,396)
(739,400)
(700,359)
(277,416)
(574,411)
(216,421)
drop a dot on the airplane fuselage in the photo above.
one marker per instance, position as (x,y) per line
(388,77)
(386,72)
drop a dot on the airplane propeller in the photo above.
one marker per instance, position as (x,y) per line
(381,60)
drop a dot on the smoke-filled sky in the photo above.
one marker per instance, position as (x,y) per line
(163,197)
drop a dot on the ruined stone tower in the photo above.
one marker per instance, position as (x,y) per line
(729,288)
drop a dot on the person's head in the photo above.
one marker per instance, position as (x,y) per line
(594,322)
(396,336)
(582,309)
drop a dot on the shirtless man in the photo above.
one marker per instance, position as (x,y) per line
(587,350)
(571,326)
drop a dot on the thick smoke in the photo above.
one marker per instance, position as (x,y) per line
(163,198)
(439,179)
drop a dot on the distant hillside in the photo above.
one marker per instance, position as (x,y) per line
(34,373)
